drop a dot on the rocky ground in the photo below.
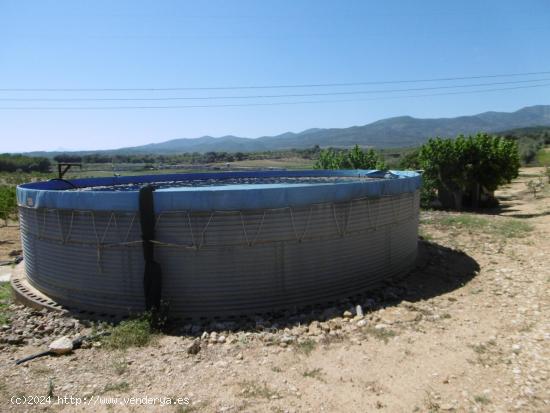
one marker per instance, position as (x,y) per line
(466,331)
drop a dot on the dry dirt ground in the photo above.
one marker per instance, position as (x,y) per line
(467,331)
(9,241)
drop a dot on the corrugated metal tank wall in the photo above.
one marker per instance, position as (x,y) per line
(217,264)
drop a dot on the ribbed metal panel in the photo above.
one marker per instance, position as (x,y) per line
(217,264)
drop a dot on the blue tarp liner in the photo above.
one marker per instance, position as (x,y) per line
(222,197)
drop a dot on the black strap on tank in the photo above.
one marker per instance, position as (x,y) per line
(152,279)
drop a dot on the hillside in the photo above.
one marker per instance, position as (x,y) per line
(402,131)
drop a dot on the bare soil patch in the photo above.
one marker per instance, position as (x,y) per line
(10,243)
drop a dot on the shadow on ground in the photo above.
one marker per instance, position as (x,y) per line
(438,270)
(506,208)
(508,211)
(526,216)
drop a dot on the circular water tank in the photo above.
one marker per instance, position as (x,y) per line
(228,244)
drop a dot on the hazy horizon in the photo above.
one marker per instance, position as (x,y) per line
(66,149)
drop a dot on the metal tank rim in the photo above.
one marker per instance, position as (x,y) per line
(55,194)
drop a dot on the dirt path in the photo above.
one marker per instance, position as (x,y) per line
(468,331)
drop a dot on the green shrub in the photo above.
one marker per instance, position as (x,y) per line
(543,157)
(5,301)
(17,162)
(466,168)
(8,202)
(136,332)
(355,158)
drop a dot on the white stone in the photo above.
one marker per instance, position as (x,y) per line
(62,345)
(287,339)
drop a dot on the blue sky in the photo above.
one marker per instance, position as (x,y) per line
(164,44)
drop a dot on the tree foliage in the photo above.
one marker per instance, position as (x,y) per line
(8,203)
(428,192)
(355,158)
(530,141)
(15,162)
(67,158)
(185,158)
(469,167)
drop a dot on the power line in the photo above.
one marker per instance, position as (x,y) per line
(285,95)
(306,85)
(266,103)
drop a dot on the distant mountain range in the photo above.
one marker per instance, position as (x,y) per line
(402,131)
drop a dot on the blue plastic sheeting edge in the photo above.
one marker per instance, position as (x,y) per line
(55,194)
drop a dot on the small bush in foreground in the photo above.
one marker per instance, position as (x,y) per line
(383,334)
(136,332)
(5,301)
(251,389)
(116,387)
(306,346)
(314,374)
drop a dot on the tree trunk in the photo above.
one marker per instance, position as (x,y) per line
(475,195)
(457,195)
